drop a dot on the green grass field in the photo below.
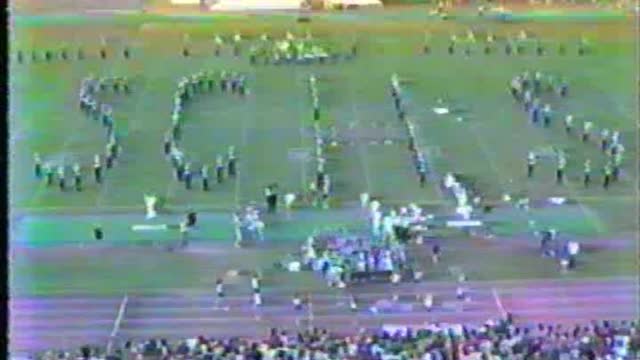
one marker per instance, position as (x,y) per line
(490,146)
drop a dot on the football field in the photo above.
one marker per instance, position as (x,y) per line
(485,138)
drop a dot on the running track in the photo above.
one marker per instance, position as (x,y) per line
(56,322)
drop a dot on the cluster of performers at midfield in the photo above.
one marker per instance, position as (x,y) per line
(342,259)
(292,50)
(96,111)
(417,156)
(188,88)
(527,89)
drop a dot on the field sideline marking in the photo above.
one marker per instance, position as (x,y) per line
(213,207)
(205,290)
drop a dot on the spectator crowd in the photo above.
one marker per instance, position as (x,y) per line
(492,340)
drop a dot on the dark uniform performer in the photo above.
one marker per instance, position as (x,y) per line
(185,52)
(564,89)
(435,253)
(109,160)
(297,302)
(234,82)
(115,83)
(531,163)
(586,131)
(519,48)
(61,179)
(98,234)
(48,171)
(607,175)
(204,173)
(187,176)
(422,174)
(219,169)
(37,167)
(451,48)
(267,197)
(63,54)
(537,83)
(180,170)
(219,290)
(192,219)
(167,144)
(252,55)
(242,89)
(562,162)
(604,140)
(47,55)
(126,52)
(77,177)
(272,198)
(103,53)
(125,85)
(507,48)
(34,56)
(316,109)
(617,161)
(535,112)
(568,123)
(97,169)
(546,116)
(397,102)
(231,165)
(210,81)
(223,81)
(581,48)
(539,49)
(587,172)
(19,57)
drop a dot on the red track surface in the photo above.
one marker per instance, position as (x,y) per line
(57,322)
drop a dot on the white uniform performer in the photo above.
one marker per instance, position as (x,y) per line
(364,200)
(237,226)
(257,299)
(427,301)
(375,223)
(150,203)
(289,199)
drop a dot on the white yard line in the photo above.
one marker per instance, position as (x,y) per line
(434,172)
(118,321)
(498,302)
(310,317)
(243,144)
(361,152)
(301,114)
(489,157)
